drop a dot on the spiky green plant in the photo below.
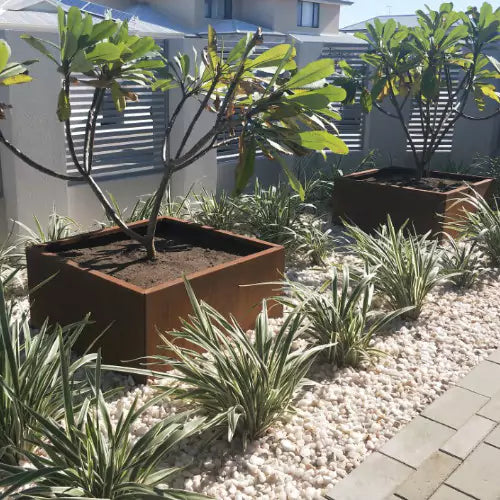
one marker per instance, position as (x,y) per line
(340,314)
(310,240)
(219,212)
(407,265)
(267,213)
(87,455)
(244,384)
(462,263)
(58,227)
(30,379)
(172,206)
(482,224)
(11,262)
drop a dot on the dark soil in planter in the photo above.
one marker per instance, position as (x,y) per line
(435,184)
(126,260)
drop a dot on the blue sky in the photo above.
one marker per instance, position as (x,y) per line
(365,9)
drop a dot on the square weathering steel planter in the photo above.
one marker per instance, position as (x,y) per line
(136,314)
(367,203)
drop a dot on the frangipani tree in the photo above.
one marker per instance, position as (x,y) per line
(415,65)
(280,109)
(11,73)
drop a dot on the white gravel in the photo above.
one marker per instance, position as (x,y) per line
(350,412)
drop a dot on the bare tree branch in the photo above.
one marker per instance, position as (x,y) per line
(34,164)
(197,115)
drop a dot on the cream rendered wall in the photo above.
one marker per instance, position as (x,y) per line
(285,19)
(259,12)
(187,13)
(281,15)
(32,125)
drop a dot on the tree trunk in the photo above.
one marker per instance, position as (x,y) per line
(149,244)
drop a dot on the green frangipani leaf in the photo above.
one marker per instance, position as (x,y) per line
(314,72)
(293,181)
(366,100)
(4,54)
(430,83)
(246,162)
(105,52)
(40,46)
(319,98)
(63,106)
(103,30)
(319,140)
(271,57)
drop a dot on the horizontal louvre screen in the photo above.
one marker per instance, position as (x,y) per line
(352,125)
(127,142)
(226,43)
(415,124)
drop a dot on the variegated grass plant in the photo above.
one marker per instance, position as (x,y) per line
(242,383)
(310,240)
(462,262)
(88,455)
(270,213)
(340,315)
(30,378)
(406,266)
(482,224)
(219,212)
(58,227)
(171,206)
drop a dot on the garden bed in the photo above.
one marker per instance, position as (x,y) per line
(350,412)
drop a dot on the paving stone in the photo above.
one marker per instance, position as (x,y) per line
(447,493)
(417,441)
(429,476)
(495,357)
(478,475)
(492,408)
(376,478)
(484,379)
(494,437)
(468,436)
(455,407)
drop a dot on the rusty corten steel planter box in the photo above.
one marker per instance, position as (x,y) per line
(367,204)
(137,314)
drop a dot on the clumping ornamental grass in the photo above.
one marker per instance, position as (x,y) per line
(87,455)
(340,315)
(482,224)
(310,240)
(30,378)
(406,266)
(219,212)
(242,384)
(268,214)
(58,227)
(462,263)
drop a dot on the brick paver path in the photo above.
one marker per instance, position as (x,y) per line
(449,452)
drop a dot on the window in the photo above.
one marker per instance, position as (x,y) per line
(308,14)
(208,8)
(219,9)
(228,9)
